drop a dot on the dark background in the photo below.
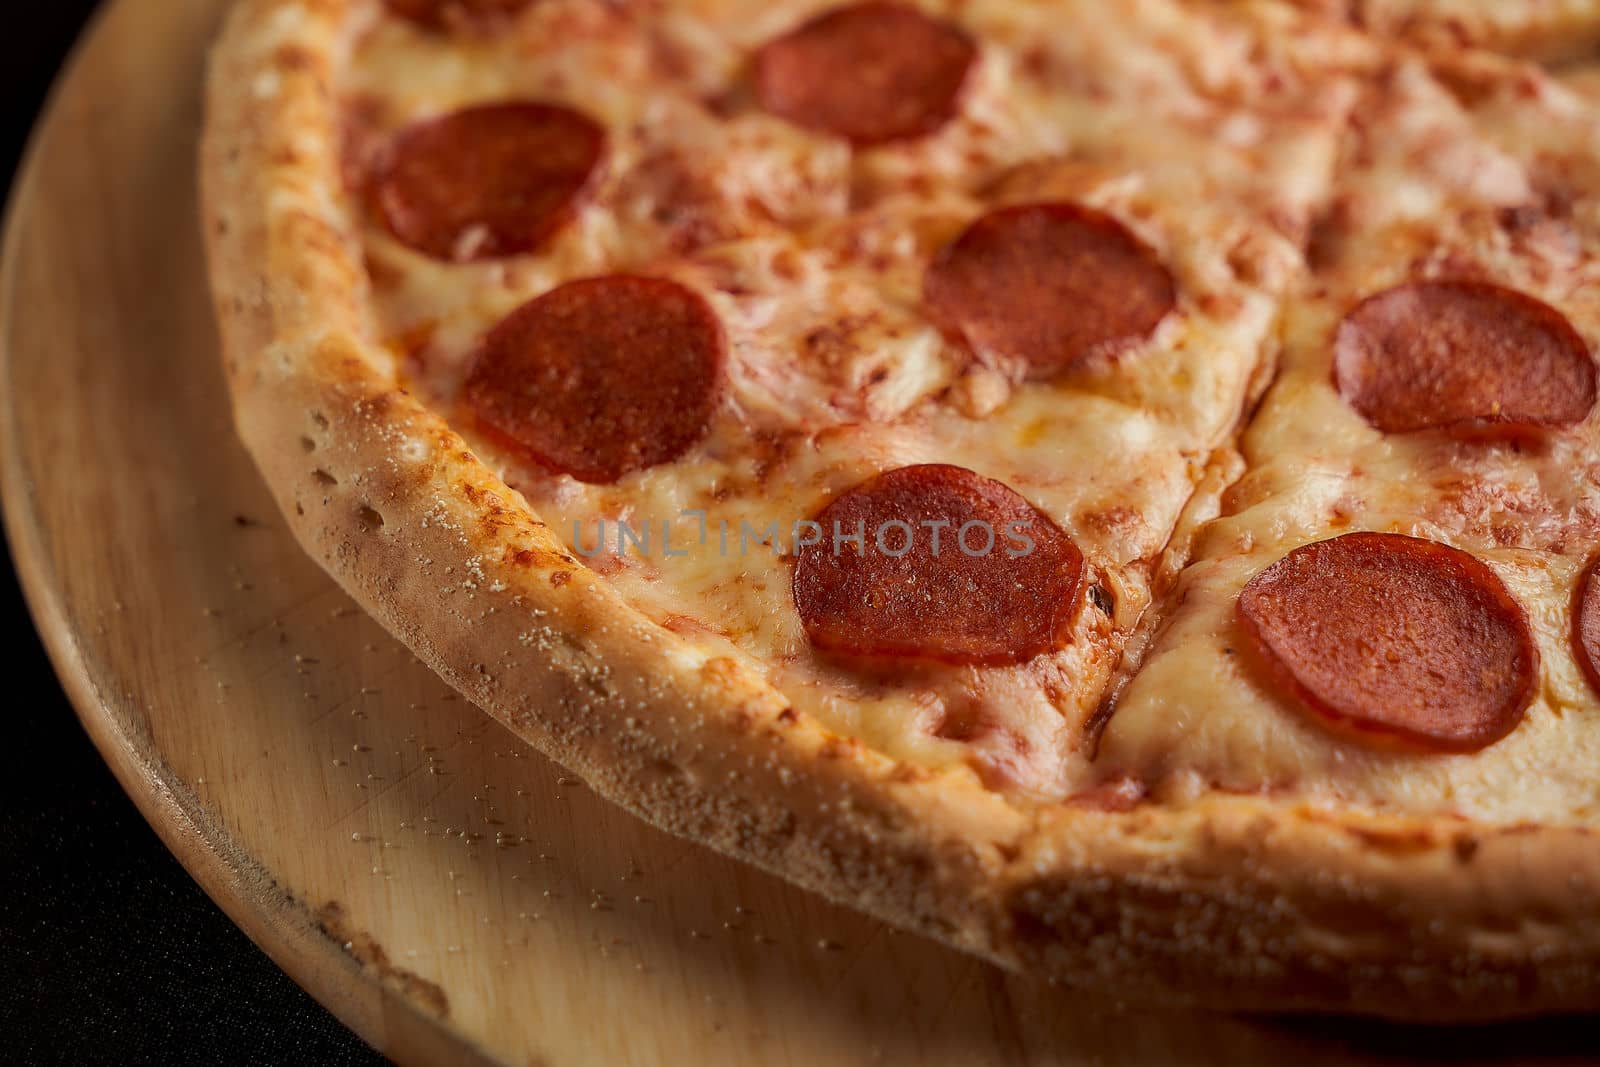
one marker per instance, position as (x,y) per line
(109,952)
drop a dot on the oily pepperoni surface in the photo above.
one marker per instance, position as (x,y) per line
(870,73)
(1586,623)
(1462,355)
(992,605)
(1047,286)
(602,376)
(489,181)
(1394,641)
(447,14)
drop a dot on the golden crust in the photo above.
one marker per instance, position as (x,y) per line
(1233,901)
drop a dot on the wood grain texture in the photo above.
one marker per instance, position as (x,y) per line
(445,890)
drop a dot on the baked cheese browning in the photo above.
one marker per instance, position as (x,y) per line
(488,181)
(601,376)
(1542,29)
(1439,192)
(446,15)
(946,565)
(837,370)
(1123,105)
(1045,287)
(869,73)
(1464,356)
(1394,641)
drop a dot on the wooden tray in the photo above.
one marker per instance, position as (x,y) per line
(449,893)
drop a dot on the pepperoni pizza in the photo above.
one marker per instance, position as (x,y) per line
(1110,486)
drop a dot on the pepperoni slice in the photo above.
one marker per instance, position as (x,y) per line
(602,376)
(447,14)
(489,181)
(1586,623)
(1394,641)
(1048,285)
(1464,356)
(950,566)
(870,73)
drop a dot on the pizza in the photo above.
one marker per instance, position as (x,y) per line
(1115,488)
(1552,30)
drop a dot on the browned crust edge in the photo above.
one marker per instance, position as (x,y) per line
(1234,902)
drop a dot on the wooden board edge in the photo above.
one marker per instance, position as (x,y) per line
(280,925)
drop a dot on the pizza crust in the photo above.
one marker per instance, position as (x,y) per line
(1235,902)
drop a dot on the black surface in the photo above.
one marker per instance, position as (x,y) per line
(109,952)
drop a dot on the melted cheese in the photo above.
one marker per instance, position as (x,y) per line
(1210,134)
(1439,184)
